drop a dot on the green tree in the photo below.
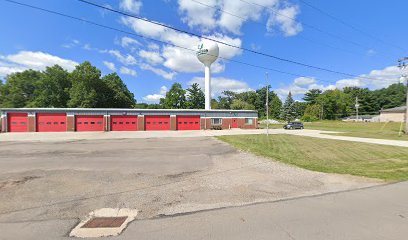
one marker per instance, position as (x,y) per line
(18,91)
(312,113)
(288,112)
(115,93)
(175,97)
(195,97)
(336,104)
(53,88)
(299,108)
(238,104)
(85,85)
(275,105)
(312,95)
(225,100)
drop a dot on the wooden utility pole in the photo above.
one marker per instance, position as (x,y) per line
(267,104)
(357,106)
(403,64)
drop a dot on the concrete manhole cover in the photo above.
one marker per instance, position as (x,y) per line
(104,222)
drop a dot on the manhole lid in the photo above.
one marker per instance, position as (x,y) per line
(105,222)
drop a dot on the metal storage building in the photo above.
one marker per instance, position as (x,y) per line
(98,119)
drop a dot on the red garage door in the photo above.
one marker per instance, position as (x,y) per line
(188,122)
(17,122)
(157,123)
(51,122)
(88,123)
(123,123)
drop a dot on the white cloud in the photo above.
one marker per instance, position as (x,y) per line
(132,6)
(220,84)
(285,20)
(127,41)
(196,14)
(178,59)
(125,59)
(71,44)
(375,79)
(110,65)
(128,71)
(24,60)
(153,46)
(156,97)
(158,71)
(371,52)
(304,81)
(233,14)
(151,57)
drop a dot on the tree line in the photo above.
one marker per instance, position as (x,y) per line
(85,87)
(55,87)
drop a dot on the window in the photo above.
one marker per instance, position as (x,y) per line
(114,122)
(133,122)
(62,123)
(216,121)
(55,123)
(48,123)
(100,123)
(180,122)
(249,121)
(92,123)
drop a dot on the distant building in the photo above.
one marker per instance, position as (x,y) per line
(396,114)
(362,118)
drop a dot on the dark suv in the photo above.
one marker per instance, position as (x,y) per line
(293,125)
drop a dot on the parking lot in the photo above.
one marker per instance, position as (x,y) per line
(47,187)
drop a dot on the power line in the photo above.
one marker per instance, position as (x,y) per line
(152,39)
(350,25)
(302,37)
(224,43)
(307,25)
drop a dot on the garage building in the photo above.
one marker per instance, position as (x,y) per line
(97,119)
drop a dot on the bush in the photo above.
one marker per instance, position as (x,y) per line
(308,118)
(216,128)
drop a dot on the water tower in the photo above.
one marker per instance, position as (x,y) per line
(207,53)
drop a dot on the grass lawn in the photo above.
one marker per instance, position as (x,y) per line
(355,129)
(361,129)
(330,156)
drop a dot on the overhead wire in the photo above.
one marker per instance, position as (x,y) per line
(155,40)
(302,37)
(224,43)
(350,25)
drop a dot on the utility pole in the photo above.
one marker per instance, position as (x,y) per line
(357,106)
(267,104)
(402,64)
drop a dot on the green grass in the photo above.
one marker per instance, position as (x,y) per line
(361,129)
(330,156)
(356,129)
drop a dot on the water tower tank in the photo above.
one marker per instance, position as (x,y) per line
(207,53)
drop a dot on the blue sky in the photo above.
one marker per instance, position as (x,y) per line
(34,39)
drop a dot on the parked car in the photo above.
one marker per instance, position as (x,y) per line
(293,125)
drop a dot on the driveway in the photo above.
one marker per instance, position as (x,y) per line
(67,136)
(47,187)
